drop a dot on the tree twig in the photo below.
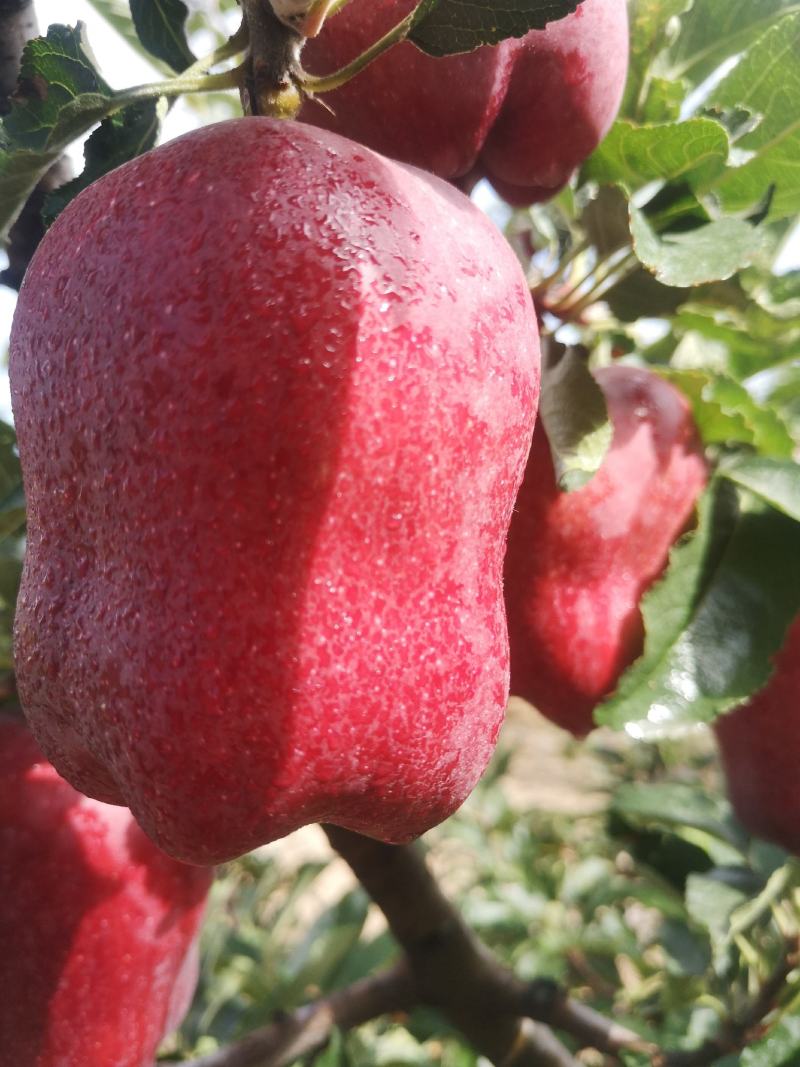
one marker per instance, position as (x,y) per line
(309,1029)
(273,64)
(500,1015)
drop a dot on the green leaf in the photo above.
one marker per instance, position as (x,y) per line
(117,140)
(574,415)
(733,342)
(325,946)
(445,27)
(161,26)
(117,13)
(606,220)
(687,952)
(663,100)
(20,173)
(725,412)
(641,296)
(780,1048)
(709,253)
(711,899)
(775,482)
(60,95)
(648,21)
(714,622)
(674,806)
(636,155)
(767,83)
(56,70)
(778,294)
(711,31)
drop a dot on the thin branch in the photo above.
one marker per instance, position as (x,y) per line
(453,970)
(328,82)
(735,1034)
(547,1001)
(309,1029)
(273,66)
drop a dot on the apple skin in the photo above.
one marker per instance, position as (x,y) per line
(98,927)
(524,113)
(578,563)
(758,744)
(396,105)
(271,430)
(564,93)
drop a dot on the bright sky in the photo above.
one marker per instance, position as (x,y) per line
(122,67)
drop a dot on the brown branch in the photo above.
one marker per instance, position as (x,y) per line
(445,966)
(309,1029)
(273,63)
(17,25)
(453,970)
(548,1002)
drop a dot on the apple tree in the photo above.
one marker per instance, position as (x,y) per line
(274,396)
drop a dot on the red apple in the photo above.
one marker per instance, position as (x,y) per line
(524,113)
(98,928)
(565,89)
(759,744)
(578,563)
(274,395)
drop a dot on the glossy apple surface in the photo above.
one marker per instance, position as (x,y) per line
(274,395)
(524,113)
(578,563)
(98,927)
(759,744)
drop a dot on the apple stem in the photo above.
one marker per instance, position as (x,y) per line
(194,83)
(336,6)
(272,69)
(544,283)
(605,276)
(326,83)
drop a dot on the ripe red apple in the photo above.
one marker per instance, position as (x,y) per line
(273,395)
(524,113)
(759,744)
(98,928)
(578,563)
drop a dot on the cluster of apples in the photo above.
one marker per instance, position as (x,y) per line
(272,433)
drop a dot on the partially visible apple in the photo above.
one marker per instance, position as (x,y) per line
(565,89)
(434,113)
(98,928)
(524,113)
(759,744)
(578,563)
